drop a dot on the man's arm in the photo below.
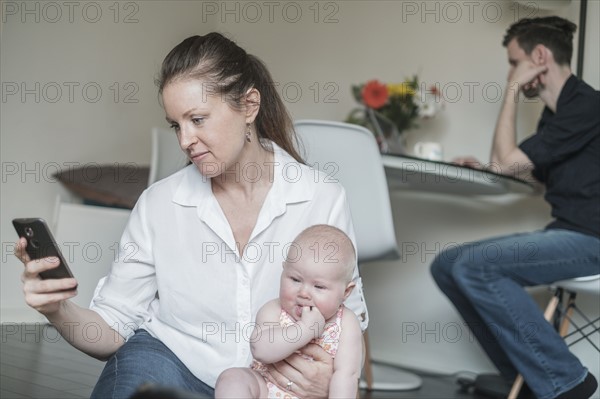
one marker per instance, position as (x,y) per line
(506,156)
(272,342)
(348,359)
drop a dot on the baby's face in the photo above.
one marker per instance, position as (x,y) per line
(310,282)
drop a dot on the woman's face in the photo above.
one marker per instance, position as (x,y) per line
(210,132)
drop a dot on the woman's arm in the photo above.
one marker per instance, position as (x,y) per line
(75,324)
(51,297)
(348,359)
(271,342)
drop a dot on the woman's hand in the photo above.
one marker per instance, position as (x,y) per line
(308,378)
(45,296)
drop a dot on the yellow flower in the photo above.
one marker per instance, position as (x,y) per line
(400,89)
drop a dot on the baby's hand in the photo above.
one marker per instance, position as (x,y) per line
(313,319)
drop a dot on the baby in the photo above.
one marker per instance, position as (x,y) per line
(316,279)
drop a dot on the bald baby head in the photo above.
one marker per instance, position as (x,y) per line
(327,245)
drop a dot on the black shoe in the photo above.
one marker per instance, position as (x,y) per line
(494,386)
(584,390)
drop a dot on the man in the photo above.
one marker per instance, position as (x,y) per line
(563,155)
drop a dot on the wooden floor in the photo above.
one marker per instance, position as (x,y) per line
(35,362)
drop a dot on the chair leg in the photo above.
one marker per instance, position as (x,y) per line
(516,387)
(564,324)
(368,369)
(567,322)
(548,313)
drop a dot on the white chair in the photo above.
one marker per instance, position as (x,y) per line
(560,313)
(167,156)
(89,239)
(349,154)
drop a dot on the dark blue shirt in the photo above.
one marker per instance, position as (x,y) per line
(565,152)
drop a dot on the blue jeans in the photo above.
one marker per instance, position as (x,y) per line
(146,360)
(485,280)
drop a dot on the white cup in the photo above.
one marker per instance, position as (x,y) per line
(429,150)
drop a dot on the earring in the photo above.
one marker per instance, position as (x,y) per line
(248,133)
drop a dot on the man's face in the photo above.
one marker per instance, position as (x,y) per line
(516,56)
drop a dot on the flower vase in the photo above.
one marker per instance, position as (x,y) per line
(390,140)
(396,144)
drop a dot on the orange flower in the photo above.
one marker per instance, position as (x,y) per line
(374,94)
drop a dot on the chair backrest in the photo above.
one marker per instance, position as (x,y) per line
(349,154)
(89,239)
(167,157)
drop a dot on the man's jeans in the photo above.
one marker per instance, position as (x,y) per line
(485,280)
(145,360)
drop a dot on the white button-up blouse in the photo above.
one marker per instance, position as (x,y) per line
(179,274)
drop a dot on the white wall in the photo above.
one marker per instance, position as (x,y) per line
(315,51)
(591,61)
(46,45)
(454,44)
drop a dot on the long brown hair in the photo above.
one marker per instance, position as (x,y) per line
(230,72)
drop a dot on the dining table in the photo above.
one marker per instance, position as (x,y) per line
(410,172)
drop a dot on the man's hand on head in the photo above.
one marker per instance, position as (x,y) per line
(526,74)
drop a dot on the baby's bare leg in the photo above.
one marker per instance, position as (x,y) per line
(241,382)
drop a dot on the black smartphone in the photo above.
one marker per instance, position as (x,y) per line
(41,244)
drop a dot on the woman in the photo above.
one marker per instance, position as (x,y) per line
(209,240)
